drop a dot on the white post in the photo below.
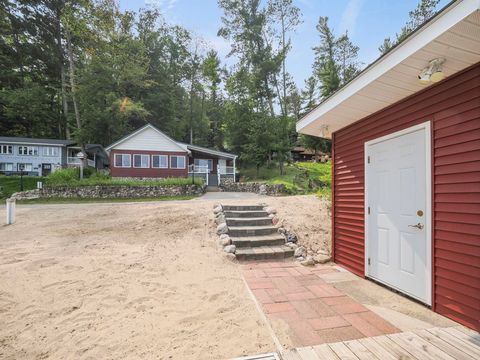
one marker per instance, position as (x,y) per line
(10,211)
(234,169)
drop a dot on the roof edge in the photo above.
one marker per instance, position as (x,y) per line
(443,20)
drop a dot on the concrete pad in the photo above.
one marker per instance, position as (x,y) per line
(335,277)
(402,321)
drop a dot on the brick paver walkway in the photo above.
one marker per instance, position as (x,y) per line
(315,311)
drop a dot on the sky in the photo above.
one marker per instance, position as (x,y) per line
(368,22)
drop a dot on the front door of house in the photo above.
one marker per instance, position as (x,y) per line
(398,247)
(46,169)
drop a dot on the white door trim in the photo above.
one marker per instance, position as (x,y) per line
(428,209)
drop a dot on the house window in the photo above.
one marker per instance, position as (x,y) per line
(50,151)
(177,162)
(6,167)
(204,162)
(6,149)
(160,161)
(28,150)
(24,167)
(123,160)
(141,161)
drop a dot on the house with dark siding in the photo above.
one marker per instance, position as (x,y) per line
(150,153)
(406,165)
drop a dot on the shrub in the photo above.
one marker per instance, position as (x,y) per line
(71,177)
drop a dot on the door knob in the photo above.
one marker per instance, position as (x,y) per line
(418,226)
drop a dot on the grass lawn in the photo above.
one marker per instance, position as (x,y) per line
(298,178)
(100,200)
(11,184)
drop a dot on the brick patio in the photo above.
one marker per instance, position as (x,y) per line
(315,311)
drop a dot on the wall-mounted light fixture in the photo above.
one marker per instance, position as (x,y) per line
(433,72)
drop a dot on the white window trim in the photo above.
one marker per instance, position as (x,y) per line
(160,167)
(6,146)
(141,167)
(31,166)
(178,156)
(428,201)
(29,148)
(7,163)
(115,161)
(50,151)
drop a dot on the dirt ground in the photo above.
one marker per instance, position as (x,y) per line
(123,281)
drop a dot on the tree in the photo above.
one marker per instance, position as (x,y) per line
(425,10)
(335,59)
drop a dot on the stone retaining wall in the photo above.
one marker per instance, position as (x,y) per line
(113,191)
(255,187)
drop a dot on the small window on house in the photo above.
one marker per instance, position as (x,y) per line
(123,160)
(177,162)
(49,151)
(24,167)
(6,167)
(6,149)
(28,150)
(141,161)
(160,161)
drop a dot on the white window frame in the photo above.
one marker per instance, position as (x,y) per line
(122,155)
(50,151)
(6,149)
(160,167)
(26,164)
(30,150)
(178,156)
(142,156)
(5,166)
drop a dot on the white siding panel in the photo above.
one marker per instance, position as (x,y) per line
(150,140)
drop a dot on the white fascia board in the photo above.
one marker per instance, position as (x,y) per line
(437,26)
(33,143)
(181,148)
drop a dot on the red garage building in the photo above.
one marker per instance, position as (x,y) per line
(406,165)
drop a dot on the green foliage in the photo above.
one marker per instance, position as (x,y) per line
(71,177)
(425,10)
(298,178)
(11,184)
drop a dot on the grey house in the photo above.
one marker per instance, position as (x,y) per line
(40,157)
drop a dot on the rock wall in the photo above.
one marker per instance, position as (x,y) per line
(255,187)
(117,191)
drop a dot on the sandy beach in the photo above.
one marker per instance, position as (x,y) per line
(125,281)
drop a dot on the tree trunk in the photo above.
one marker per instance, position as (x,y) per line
(72,80)
(62,76)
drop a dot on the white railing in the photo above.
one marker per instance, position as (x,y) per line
(198,169)
(226,170)
(73,160)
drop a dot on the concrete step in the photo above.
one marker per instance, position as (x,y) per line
(242,207)
(260,221)
(245,213)
(255,241)
(264,252)
(238,231)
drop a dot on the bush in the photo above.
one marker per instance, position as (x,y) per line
(71,177)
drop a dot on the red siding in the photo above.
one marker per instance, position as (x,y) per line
(147,172)
(453,107)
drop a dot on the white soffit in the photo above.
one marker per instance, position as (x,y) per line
(453,34)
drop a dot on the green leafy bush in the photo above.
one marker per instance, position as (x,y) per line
(71,177)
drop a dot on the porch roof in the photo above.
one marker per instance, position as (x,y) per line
(210,152)
(453,34)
